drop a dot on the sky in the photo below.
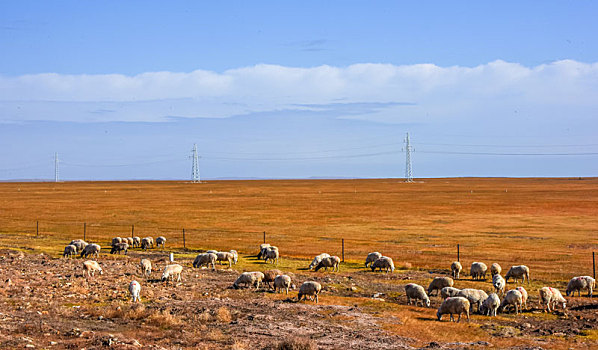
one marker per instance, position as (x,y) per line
(297,89)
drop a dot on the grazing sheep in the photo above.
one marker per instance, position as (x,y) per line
(317,260)
(79,243)
(579,283)
(160,241)
(369,260)
(499,284)
(270,276)
(475,297)
(417,292)
(225,256)
(455,305)
(235,256)
(490,305)
(150,239)
(551,296)
(333,262)
(523,297)
(456,269)
(438,283)
(131,241)
(271,253)
(205,259)
(249,279)
(119,247)
(212,251)
(385,263)
(495,269)
(134,289)
(69,251)
(116,240)
(146,267)
(136,242)
(146,243)
(282,282)
(478,270)
(262,247)
(512,298)
(448,292)
(90,267)
(311,289)
(516,272)
(172,271)
(91,249)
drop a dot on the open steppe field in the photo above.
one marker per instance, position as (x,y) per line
(549,225)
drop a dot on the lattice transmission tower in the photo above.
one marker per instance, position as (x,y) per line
(55,166)
(408,150)
(195,165)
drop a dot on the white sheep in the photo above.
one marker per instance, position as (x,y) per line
(516,272)
(271,253)
(91,249)
(512,298)
(523,297)
(454,305)
(475,297)
(79,243)
(225,256)
(332,261)
(311,289)
(90,267)
(579,283)
(282,282)
(150,241)
(161,241)
(235,256)
(171,272)
(317,260)
(495,269)
(130,241)
(490,305)
(69,251)
(551,297)
(448,292)
(212,251)
(371,258)
(270,276)
(146,267)
(134,289)
(478,270)
(385,263)
(456,268)
(146,243)
(119,247)
(205,259)
(249,279)
(262,247)
(136,242)
(499,284)
(438,283)
(417,292)
(116,240)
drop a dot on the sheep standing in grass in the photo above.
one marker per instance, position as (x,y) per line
(91,249)
(129,241)
(282,282)
(311,289)
(551,297)
(263,246)
(516,272)
(270,276)
(369,260)
(456,269)
(417,292)
(119,247)
(235,256)
(385,263)
(79,243)
(523,297)
(490,305)
(149,240)
(495,269)
(171,272)
(69,251)
(249,279)
(160,241)
(499,284)
(205,259)
(475,297)
(455,305)
(333,262)
(90,267)
(116,240)
(271,253)
(136,242)
(317,260)
(134,289)
(478,270)
(146,267)
(146,243)
(448,292)
(579,283)
(225,256)
(438,283)
(512,298)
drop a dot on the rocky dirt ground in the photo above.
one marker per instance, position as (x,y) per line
(47,302)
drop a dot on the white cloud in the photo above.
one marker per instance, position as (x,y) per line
(438,92)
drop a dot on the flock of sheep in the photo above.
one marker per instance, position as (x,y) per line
(455,301)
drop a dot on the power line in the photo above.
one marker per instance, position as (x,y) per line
(512,154)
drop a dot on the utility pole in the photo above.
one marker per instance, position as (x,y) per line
(408,150)
(55,166)
(195,165)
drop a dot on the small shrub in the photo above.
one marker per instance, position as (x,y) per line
(294,343)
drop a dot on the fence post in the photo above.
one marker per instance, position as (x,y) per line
(594,264)
(84,230)
(458,253)
(264,236)
(184,245)
(37,229)
(132,231)
(343,252)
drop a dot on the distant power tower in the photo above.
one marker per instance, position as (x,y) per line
(408,150)
(55,166)
(195,166)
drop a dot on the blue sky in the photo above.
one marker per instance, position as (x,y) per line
(122,90)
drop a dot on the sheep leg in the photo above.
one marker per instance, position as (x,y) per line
(316,298)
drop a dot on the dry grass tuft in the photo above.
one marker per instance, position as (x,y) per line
(294,343)
(163,319)
(223,315)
